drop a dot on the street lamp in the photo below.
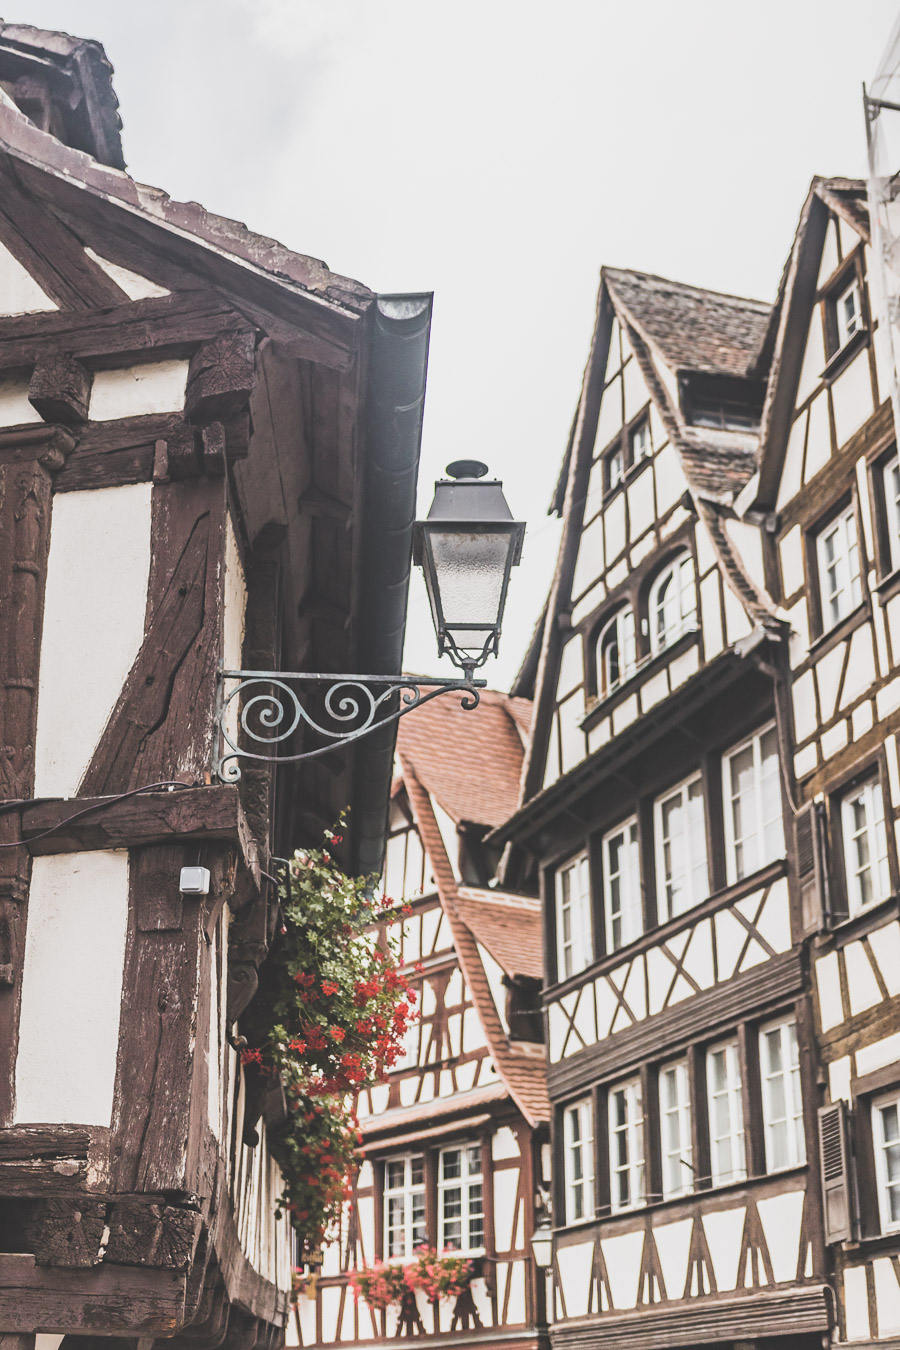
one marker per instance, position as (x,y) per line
(542,1244)
(466,547)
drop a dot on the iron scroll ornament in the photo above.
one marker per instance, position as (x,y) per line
(269,711)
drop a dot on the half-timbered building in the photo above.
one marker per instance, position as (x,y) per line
(827,495)
(208,455)
(455,1152)
(681,1038)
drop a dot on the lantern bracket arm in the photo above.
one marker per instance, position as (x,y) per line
(264,709)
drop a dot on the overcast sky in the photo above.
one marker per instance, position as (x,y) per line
(497,152)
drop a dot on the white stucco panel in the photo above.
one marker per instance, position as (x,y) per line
(72,978)
(15,409)
(622,1255)
(135,391)
(781,1216)
(884,943)
(724,1229)
(99,552)
(856,1303)
(133,284)
(575,1265)
(851,398)
(860,673)
(887,1296)
(19,292)
(673,1244)
(831,1008)
(862,987)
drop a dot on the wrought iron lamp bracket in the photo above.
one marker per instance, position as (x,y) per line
(264,707)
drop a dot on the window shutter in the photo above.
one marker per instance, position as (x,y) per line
(809,842)
(836,1167)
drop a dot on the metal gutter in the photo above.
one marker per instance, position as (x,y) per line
(392,432)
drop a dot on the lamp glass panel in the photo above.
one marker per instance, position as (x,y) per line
(469,571)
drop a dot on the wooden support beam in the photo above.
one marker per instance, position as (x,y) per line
(220,379)
(64,1232)
(25,504)
(148,818)
(60,389)
(145,329)
(163,721)
(152,1235)
(106,1299)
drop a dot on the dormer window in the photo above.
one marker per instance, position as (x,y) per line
(848,313)
(616,652)
(673,603)
(722,402)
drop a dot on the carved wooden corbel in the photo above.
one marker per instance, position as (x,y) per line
(60,389)
(220,378)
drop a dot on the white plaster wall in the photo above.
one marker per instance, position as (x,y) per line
(575,1266)
(135,286)
(97,574)
(506,1182)
(19,292)
(72,988)
(135,391)
(15,410)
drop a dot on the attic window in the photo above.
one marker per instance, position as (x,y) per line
(726,403)
(848,313)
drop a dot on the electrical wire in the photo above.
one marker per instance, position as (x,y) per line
(101,805)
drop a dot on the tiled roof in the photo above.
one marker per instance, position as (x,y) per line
(469,761)
(508,926)
(692,328)
(525,1077)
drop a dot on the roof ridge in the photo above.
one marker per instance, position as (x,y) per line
(684,285)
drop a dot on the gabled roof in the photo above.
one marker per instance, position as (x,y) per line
(692,328)
(470,761)
(508,926)
(524,1075)
(786,337)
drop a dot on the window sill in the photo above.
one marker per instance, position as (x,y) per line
(648,665)
(840,359)
(825,641)
(858,925)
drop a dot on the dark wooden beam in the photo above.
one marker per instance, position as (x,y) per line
(145,329)
(51,252)
(60,389)
(152,1235)
(148,818)
(106,1299)
(220,379)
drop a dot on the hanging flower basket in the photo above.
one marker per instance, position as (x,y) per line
(379,1285)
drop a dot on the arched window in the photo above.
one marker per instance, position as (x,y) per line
(616,652)
(673,603)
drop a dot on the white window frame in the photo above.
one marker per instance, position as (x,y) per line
(676,1145)
(578,1160)
(640,442)
(783,1082)
(672,876)
(848,328)
(840,579)
(761,817)
(577,953)
(621,624)
(733,1095)
(880,1144)
(407,1192)
(465,1183)
(615,467)
(873,836)
(629,877)
(629,1133)
(890,477)
(680,571)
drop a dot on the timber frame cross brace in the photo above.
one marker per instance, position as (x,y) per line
(263,709)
